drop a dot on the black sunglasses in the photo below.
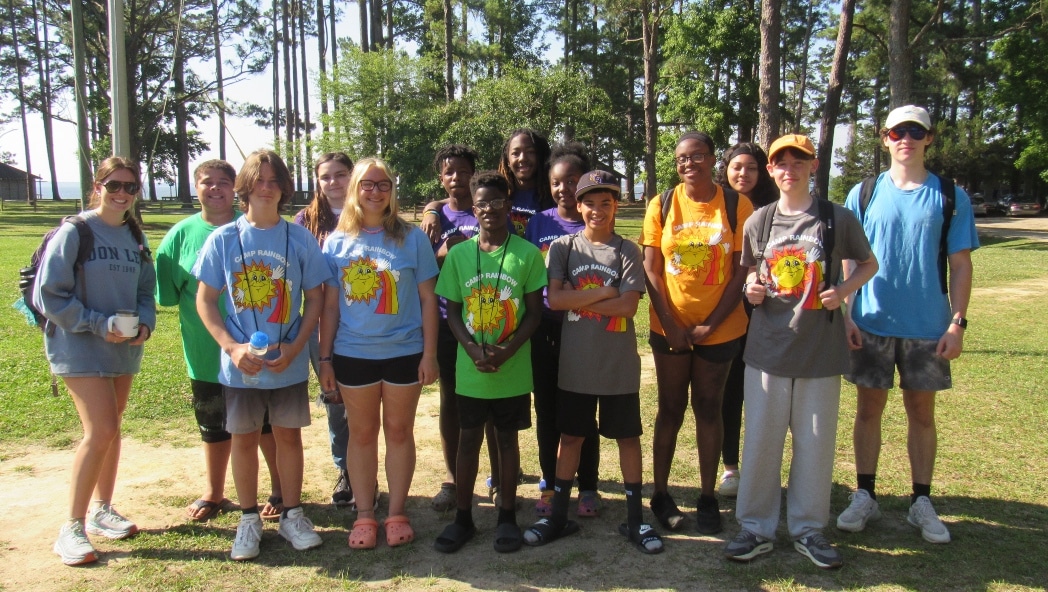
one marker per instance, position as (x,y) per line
(899,132)
(115,186)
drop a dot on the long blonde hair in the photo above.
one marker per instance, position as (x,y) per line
(351,221)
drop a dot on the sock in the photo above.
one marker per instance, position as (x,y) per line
(464,517)
(868,481)
(251,510)
(920,489)
(288,509)
(705,501)
(561,499)
(634,511)
(507,516)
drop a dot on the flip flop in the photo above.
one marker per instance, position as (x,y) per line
(543,533)
(453,537)
(203,510)
(508,538)
(398,531)
(273,509)
(364,534)
(644,536)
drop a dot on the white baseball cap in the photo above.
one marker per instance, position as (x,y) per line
(906,113)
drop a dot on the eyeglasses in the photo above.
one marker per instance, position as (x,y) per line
(898,132)
(494,204)
(115,186)
(697,158)
(372,185)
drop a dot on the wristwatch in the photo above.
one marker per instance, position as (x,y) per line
(963,322)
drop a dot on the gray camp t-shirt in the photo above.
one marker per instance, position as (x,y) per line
(790,333)
(598,354)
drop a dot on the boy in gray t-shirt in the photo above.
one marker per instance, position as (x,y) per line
(598,278)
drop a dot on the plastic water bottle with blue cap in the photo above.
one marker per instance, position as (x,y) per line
(258,346)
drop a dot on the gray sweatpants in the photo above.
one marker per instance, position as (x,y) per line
(808,408)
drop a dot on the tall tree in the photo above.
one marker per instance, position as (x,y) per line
(832,104)
(768,124)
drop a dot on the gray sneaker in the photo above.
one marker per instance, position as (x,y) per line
(342,494)
(106,521)
(922,515)
(819,550)
(745,546)
(862,509)
(72,545)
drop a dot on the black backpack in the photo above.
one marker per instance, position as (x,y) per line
(27,275)
(731,205)
(829,239)
(949,199)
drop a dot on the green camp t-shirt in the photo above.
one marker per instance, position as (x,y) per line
(492,309)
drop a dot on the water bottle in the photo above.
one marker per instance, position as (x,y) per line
(258,347)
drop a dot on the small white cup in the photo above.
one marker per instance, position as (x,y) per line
(124,322)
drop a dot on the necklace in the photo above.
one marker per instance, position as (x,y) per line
(498,278)
(376,230)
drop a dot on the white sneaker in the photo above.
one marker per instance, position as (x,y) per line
(862,509)
(249,535)
(298,530)
(729,483)
(106,521)
(72,545)
(922,515)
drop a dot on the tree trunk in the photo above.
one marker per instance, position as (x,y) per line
(294,155)
(900,54)
(182,163)
(276,73)
(650,14)
(768,123)
(838,72)
(798,112)
(376,25)
(220,86)
(464,44)
(322,54)
(30,191)
(44,74)
(365,25)
(449,55)
(289,109)
(307,121)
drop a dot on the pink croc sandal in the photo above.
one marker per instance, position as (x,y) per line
(399,531)
(364,534)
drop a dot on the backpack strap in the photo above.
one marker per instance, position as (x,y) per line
(829,240)
(949,203)
(865,195)
(666,201)
(731,206)
(767,216)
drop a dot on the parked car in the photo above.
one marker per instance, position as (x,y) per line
(979,206)
(1023,205)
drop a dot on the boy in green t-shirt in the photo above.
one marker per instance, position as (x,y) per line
(493,285)
(598,278)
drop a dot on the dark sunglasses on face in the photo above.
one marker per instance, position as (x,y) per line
(899,132)
(115,186)
(495,204)
(371,185)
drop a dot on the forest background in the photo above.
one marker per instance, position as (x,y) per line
(625,77)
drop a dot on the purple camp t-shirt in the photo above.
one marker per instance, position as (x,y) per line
(454,223)
(544,228)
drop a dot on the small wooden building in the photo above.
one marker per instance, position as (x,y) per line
(15,186)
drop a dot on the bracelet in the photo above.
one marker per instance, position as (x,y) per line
(325,359)
(434,212)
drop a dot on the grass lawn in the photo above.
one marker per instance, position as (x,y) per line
(990,481)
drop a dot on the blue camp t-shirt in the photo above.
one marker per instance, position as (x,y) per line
(904,227)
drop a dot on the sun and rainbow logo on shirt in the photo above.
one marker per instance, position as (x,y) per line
(794,273)
(260,286)
(366,279)
(590,282)
(488,309)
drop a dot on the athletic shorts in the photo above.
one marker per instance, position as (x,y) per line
(619,415)
(359,373)
(715,354)
(209,407)
(246,408)
(509,413)
(920,368)
(447,351)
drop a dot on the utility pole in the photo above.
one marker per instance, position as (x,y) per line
(80,83)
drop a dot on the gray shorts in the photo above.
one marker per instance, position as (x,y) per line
(920,368)
(246,408)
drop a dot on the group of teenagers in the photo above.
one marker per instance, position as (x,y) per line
(516,283)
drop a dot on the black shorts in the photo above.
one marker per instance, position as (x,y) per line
(716,354)
(447,351)
(619,415)
(509,413)
(358,372)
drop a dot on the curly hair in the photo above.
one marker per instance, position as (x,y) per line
(455,151)
(572,153)
(542,154)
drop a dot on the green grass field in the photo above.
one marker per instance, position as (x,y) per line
(990,482)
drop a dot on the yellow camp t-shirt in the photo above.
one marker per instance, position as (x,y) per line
(698,248)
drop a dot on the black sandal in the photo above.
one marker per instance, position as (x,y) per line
(645,538)
(666,510)
(508,538)
(453,537)
(544,533)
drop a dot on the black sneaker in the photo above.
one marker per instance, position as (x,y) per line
(342,495)
(666,510)
(707,516)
